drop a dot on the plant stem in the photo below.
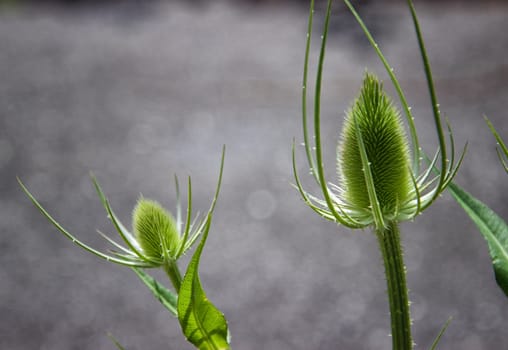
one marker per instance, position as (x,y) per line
(173,272)
(389,242)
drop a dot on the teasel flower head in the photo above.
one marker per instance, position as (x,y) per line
(376,123)
(379,170)
(157,238)
(155,230)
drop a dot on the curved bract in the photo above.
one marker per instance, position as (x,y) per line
(502,150)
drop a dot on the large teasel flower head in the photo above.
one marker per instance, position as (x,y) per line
(386,147)
(379,170)
(157,238)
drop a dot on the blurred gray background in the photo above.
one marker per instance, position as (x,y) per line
(137,91)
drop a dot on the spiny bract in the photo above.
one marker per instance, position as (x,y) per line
(386,146)
(155,229)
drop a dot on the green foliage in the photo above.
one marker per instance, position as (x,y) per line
(202,323)
(161,293)
(155,230)
(386,148)
(379,185)
(493,228)
(158,242)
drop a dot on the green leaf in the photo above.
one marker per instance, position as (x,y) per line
(161,293)
(202,323)
(493,228)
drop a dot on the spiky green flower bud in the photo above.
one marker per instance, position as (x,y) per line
(155,230)
(386,147)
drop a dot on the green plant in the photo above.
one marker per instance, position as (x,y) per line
(378,184)
(340,204)
(158,242)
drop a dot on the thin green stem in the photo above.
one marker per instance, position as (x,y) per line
(173,272)
(391,249)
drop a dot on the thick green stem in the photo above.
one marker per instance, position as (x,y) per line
(173,272)
(389,242)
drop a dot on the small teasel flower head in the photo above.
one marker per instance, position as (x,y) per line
(158,239)
(155,230)
(386,147)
